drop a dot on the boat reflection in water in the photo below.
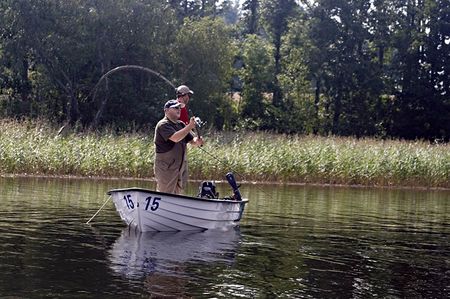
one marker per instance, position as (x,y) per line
(162,257)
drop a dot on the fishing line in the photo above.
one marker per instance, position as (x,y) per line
(199,123)
(225,163)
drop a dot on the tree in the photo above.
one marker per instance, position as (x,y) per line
(14,55)
(251,16)
(275,15)
(342,66)
(194,8)
(346,67)
(68,45)
(229,11)
(131,32)
(203,55)
(256,75)
(294,78)
(52,45)
(420,65)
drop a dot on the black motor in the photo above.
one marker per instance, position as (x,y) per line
(208,190)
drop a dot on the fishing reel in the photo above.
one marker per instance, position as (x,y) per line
(199,122)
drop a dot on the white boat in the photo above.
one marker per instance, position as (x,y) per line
(148,210)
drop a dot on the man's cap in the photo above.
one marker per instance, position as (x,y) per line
(183,89)
(172,104)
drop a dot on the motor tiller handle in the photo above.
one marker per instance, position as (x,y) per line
(234,186)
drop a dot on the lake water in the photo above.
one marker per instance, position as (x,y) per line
(293,242)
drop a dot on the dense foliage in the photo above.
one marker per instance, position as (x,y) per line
(354,67)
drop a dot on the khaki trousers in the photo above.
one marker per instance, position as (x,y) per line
(171,174)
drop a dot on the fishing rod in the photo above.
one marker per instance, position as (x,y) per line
(129,67)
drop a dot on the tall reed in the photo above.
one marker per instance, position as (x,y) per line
(33,148)
(331,160)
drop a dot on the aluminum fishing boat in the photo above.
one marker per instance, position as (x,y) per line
(148,210)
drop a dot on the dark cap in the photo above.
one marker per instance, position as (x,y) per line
(172,104)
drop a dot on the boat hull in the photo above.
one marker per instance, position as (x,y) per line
(148,210)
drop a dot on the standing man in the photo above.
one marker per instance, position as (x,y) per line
(183,96)
(171,138)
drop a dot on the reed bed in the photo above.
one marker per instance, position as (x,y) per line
(33,148)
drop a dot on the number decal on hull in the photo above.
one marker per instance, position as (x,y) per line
(153,204)
(128,201)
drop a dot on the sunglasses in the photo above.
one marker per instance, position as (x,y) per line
(178,107)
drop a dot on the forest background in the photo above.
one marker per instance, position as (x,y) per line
(377,68)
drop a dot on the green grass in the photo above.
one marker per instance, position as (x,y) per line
(31,148)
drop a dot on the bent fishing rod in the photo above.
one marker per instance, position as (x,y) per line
(129,67)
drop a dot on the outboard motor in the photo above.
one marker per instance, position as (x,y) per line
(234,186)
(208,190)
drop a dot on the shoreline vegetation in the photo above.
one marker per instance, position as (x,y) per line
(33,148)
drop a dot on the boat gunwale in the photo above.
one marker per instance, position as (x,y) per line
(110,192)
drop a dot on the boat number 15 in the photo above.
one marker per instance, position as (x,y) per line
(152,202)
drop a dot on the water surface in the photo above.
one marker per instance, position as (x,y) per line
(293,242)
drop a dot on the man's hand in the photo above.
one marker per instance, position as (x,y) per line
(198,141)
(192,123)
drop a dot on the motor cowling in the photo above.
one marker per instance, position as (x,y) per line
(208,190)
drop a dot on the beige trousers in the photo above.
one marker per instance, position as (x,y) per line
(171,174)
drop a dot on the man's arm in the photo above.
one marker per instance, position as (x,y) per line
(181,134)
